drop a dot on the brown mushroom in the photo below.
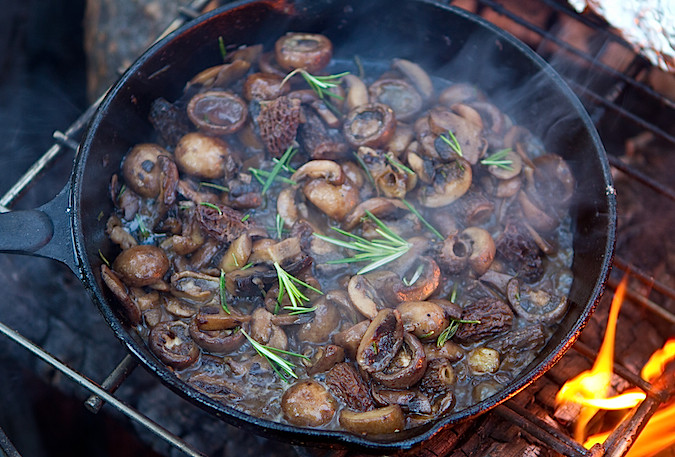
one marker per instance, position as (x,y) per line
(202,155)
(469,136)
(381,341)
(264,86)
(194,287)
(459,93)
(222,341)
(325,319)
(350,338)
(369,125)
(451,181)
(141,266)
(171,342)
(119,289)
(325,358)
(334,201)
(364,296)
(399,95)
(237,254)
(141,170)
(535,305)
(426,283)
(357,92)
(424,319)
(378,421)
(217,112)
(308,404)
(349,387)
(378,206)
(416,75)
(320,169)
(221,76)
(482,248)
(308,51)
(407,367)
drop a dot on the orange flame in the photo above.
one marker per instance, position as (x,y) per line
(590,388)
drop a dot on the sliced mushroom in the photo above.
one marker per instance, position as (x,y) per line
(117,287)
(378,206)
(202,155)
(171,342)
(221,76)
(535,305)
(381,341)
(468,135)
(283,252)
(378,421)
(194,287)
(510,169)
(222,341)
(426,284)
(141,266)
(416,75)
(320,169)
(364,296)
(553,180)
(237,254)
(451,181)
(324,321)
(141,170)
(308,51)
(217,112)
(308,404)
(324,359)
(357,92)
(407,367)
(287,208)
(265,331)
(350,338)
(459,93)
(370,125)
(399,95)
(424,319)
(482,248)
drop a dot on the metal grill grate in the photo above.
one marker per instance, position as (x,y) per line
(600,105)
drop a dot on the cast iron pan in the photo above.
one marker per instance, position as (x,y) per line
(447,42)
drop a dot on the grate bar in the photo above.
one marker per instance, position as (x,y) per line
(581,54)
(112,382)
(645,277)
(540,430)
(641,177)
(7,449)
(128,411)
(644,301)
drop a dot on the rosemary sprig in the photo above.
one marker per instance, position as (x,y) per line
(453,295)
(295,310)
(246,216)
(214,186)
(287,285)
(141,227)
(415,276)
(286,167)
(422,219)
(223,292)
(272,175)
(279,225)
(395,162)
(212,206)
(221,47)
(451,141)
(451,329)
(378,252)
(263,175)
(498,159)
(246,267)
(319,84)
(281,367)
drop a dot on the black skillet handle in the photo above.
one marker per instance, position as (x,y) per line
(44,232)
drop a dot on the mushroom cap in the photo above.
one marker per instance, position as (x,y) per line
(141,265)
(308,403)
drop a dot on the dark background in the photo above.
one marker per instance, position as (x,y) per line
(43,88)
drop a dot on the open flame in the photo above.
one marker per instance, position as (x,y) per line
(590,390)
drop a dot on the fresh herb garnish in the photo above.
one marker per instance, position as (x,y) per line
(365,168)
(106,261)
(236,262)
(451,141)
(212,206)
(395,162)
(453,295)
(221,47)
(223,292)
(319,84)
(422,219)
(415,276)
(281,367)
(279,224)
(287,285)
(214,186)
(272,175)
(121,192)
(245,267)
(378,252)
(141,227)
(285,166)
(498,159)
(246,216)
(451,329)
(100,216)
(261,174)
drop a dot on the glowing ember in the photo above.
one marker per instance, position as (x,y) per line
(590,389)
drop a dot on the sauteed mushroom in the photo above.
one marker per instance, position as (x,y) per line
(202,155)
(217,112)
(398,94)
(141,266)
(141,170)
(370,125)
(450,182)
(307,403)
(171,342)
(308,51)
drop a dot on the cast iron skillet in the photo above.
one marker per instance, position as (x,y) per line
(447,42)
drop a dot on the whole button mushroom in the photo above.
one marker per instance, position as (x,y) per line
(171,342)
(201,155)
(141,171)
(425,319)
(141,266)
(309,51)
(308,404)
(370,125)
(378,421)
